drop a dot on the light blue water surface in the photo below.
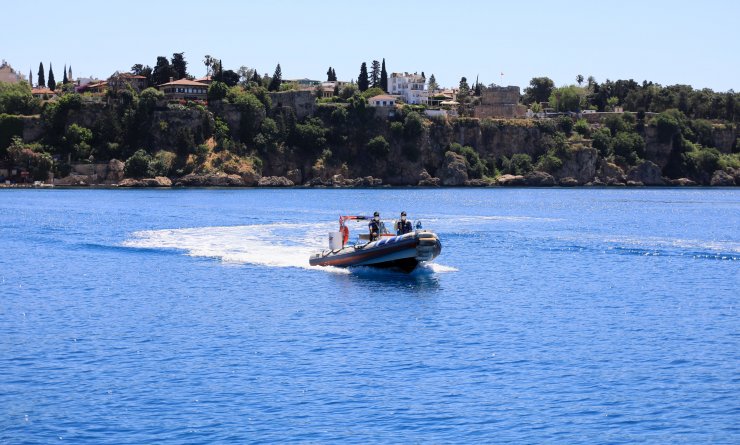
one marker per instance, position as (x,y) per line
(190,316)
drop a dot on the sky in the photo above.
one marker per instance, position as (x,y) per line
(502,42)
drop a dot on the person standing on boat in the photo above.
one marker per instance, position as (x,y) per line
(374,226)
(403,226)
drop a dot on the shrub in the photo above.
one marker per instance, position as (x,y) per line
(412,126)
(629,146)
(378,147)
(163,163)
(565,124)
(520,164)
(549,163)
(602,141)
(583,128)
(397,129)
(668,126)
(138,165)
(217,91)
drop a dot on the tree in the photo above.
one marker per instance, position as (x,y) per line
(277,79)
(362,80)
(162,71)
(566,98)
(579,79)
(612,102)
(179,66)
(432,85)
(478,87)
(229,77)
(256,78)
(141,70)
(138,165)
(41,77)
(539,90)
(375,74)
(64,78)
(208,62)
(383,77)
(30,78)
(52,82)
(331,75)
(378,147)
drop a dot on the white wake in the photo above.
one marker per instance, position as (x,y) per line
(271,245)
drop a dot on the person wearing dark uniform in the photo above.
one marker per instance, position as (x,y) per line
(403,226)
(374,227)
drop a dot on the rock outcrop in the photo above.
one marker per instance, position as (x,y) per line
(159,181)
(681,182)
(275,181)
(210,180)
(454,169)
(295,175)
(722,178)
(581,165)
(610,174)
(568,181)
(426,180)
(511,180)
(539,179)
(647,173)
(115,170)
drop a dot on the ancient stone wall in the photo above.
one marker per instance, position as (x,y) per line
(303,102)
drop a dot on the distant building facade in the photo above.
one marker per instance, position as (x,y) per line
(8,74)
(382,100)
(119,81)
(184,89)
(410,87)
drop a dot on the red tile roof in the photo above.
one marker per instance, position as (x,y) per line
(183,82)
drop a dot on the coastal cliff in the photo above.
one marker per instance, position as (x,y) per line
(286,139)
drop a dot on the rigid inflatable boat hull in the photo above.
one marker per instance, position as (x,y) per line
(403,252)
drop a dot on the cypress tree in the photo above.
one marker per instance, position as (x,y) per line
(375,74)
(328,75)
(256,78)
(41,77)
(277,79)
(30,77)
(64,78)
(333,75)
(52,82)
(383,78)
(362,81)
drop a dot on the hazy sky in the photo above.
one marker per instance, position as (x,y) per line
(668,42)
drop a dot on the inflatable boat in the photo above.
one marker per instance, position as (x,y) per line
(402,252)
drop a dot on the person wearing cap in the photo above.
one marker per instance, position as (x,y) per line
(403,226)
(374,226)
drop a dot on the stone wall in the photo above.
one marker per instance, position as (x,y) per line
(500,102)
(303,102)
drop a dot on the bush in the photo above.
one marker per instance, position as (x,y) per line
(138,165)
(549,163)
(378,147)
(413,126)
(397,129)
(668,126)
(583,128)
(163,163)
(217,91)
(10,126)
(520,164)
(16,98)
(602,141)
(629,146)
(565,124)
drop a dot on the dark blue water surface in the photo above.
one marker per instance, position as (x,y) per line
(191,316)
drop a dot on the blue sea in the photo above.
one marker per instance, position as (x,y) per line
(192,316)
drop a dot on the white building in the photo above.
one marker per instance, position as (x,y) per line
(382,100)
(409,86)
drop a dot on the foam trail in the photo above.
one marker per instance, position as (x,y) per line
(271,245)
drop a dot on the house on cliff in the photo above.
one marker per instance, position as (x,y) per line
(119,81)
(184,89)
(410,87)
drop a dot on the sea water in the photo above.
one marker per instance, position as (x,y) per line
(192,316)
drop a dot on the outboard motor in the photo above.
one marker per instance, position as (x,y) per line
(335,240)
